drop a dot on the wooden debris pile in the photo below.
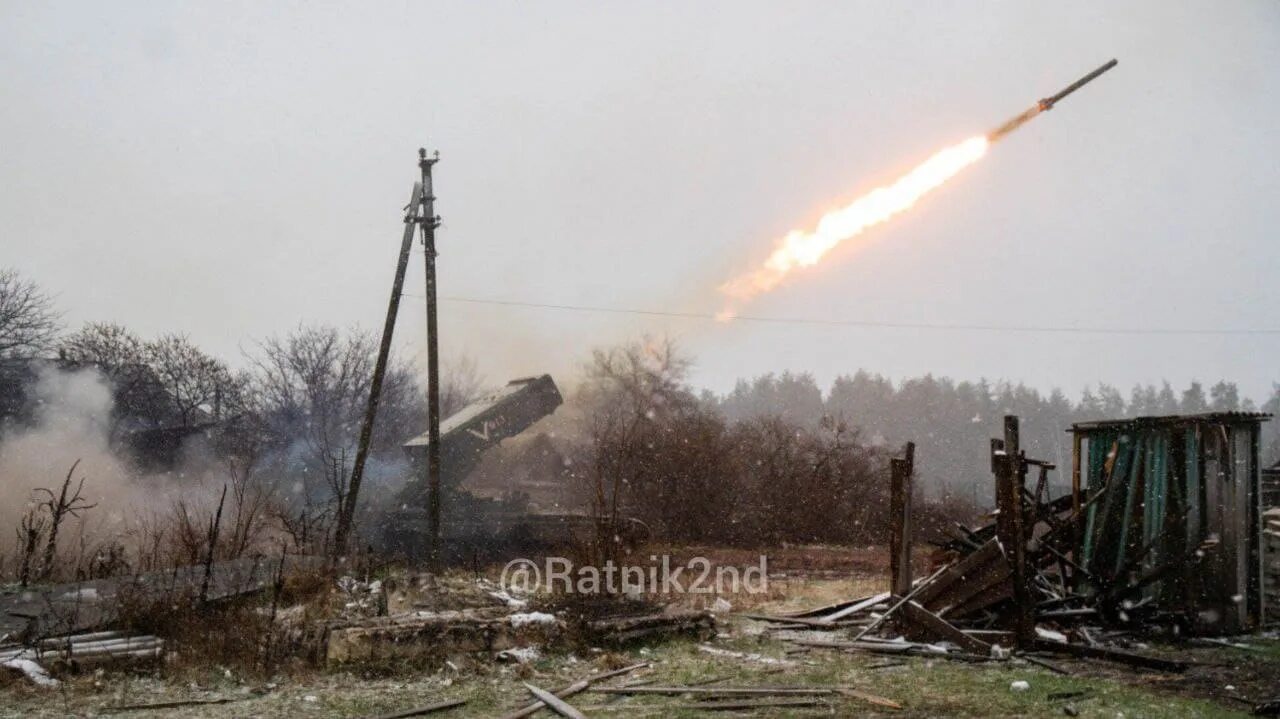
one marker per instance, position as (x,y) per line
(1011,587)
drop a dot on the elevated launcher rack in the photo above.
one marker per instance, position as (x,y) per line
(464,438)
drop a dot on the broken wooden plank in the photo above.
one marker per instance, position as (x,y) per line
(869,698)
(1114,655)
(939,628)
(825,609)
(741,705)
(167,705)
(575,688)
(555,703)
(790,621)
(992,594)
(958,571)
(921,587)
(422,710)
(718,691)
(865,604)
(1045,664)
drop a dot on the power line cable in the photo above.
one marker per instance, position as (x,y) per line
(871,324)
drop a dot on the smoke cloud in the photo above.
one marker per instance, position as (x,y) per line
(72,422)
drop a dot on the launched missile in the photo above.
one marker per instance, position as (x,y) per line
(801,248)
(1046,103)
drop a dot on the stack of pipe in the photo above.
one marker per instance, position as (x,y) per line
(88,648)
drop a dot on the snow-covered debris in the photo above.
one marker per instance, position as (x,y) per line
(1051,635)
(520,655)
(531,618)
(31,670)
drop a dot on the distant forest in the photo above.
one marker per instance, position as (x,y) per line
(951,422)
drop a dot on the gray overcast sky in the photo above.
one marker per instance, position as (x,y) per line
(232,169)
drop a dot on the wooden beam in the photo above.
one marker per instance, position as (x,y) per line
(1114,655)
(1077,538)
(900,471)
(1011,478)
(931,625)
(555,703)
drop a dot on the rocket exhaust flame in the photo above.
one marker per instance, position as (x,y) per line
(803,249)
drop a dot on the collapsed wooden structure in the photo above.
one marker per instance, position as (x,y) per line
(1163,527)
(1162,530)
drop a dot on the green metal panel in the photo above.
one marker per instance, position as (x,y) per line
(1136,455)
(1195,492)
(1100,444)
(1107,524)
(1154,501)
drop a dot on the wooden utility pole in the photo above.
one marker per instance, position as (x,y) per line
(347,508)
(900,471)
(429,223)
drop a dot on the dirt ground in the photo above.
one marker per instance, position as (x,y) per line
(1222,681)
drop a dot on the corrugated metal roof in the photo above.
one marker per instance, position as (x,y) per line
(1173,419)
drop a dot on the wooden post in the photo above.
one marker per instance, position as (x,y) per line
(347,508)
(900,471)
(1077,544)
(1011,476)
(429,223)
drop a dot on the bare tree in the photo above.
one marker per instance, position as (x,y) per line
(28,321)
(314,383)
(192,380)
(60,506)
(629,392)
(460,385)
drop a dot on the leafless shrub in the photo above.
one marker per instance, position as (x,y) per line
(59,507)
(30,530)
(211,543)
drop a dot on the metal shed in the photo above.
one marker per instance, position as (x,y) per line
(1173,507)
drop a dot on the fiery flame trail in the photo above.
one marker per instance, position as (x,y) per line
(802,249)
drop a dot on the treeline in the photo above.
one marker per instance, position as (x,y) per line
(780,460)
(951,421)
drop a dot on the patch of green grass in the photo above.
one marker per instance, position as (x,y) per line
(924,687)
